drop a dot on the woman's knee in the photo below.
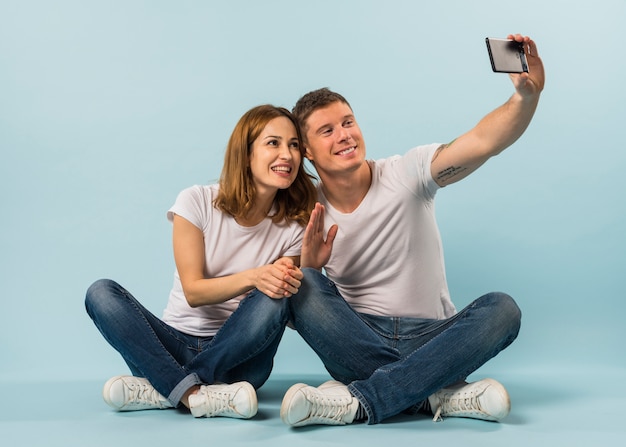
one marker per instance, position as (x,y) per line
(101,295)
(259,310)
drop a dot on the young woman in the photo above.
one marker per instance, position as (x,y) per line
(236,248)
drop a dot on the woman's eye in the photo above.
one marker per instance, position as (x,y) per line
(273,142)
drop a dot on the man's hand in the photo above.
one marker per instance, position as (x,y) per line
(316,250)
(499,129)
(531,83)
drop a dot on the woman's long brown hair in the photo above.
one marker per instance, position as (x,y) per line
(237,192)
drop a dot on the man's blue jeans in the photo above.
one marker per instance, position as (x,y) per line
(392,364)
(172,361)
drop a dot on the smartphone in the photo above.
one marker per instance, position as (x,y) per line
(507,56)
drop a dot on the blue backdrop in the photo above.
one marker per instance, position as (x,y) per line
(109,108)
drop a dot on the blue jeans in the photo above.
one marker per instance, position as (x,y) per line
(172,361)
(392,364)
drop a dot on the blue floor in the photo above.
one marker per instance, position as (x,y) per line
(571,407)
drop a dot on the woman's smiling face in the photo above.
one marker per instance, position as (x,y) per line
(275,156)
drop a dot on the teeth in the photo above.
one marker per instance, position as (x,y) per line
(346,151)
(281,168)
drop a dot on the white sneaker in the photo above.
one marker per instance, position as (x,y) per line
(129,393)
(237,400)
(329,404)
(486,399)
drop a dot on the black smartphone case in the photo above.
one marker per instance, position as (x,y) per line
(506,56)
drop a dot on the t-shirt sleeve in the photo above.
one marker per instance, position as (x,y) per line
(413,170)
(295,248)
(192,204)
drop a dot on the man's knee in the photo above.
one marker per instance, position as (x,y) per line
(313,278)
(507,312)
(315,296)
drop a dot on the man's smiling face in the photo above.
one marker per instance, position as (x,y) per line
(333,139)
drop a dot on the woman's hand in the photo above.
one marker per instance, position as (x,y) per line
(280,279)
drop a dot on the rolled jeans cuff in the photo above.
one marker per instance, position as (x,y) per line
(179,390)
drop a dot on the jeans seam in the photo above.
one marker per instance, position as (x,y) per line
(271,333)
(137,307)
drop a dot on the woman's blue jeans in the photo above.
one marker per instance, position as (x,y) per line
(393,364)
(172,361)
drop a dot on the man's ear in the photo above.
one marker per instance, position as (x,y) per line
(308,154)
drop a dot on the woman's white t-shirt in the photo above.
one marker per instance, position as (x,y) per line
(229,248)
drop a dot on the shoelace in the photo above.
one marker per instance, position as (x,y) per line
(454,404)
(218,403)
(325,409)
(142,394)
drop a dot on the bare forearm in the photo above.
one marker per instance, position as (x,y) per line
(494,133)
(498,129)
(278,280)
(502,127)
(205,291)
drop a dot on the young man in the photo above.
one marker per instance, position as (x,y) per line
(383,322)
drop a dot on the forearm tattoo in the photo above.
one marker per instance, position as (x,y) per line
(451,171)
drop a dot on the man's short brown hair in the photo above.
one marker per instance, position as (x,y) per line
(312,101)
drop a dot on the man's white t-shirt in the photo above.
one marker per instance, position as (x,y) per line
(229,248)
(387,258)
